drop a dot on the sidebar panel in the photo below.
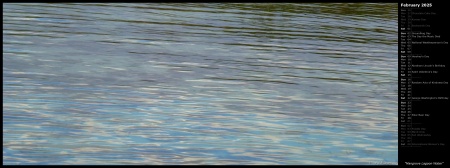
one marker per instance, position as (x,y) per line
(423,83)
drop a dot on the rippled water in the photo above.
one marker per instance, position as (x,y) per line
(199,83)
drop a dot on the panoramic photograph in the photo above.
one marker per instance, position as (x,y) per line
(200,83)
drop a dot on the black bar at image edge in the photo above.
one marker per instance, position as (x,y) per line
(422,83)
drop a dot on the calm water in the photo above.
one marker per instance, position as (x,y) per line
(199,83)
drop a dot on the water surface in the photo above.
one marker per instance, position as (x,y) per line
(199,83)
